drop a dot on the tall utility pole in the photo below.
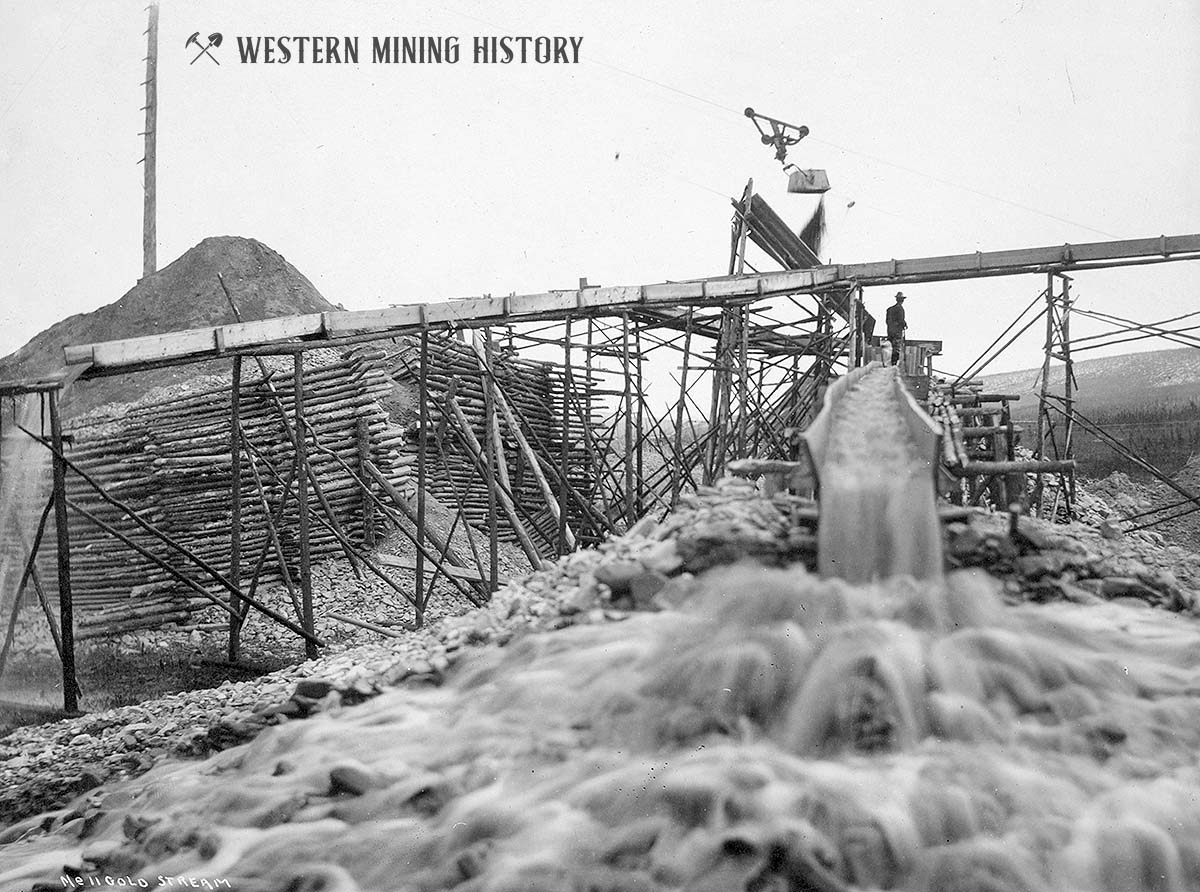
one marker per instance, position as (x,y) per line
(149,234)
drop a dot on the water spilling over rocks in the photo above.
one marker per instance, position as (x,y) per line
(772,731)
(877,499)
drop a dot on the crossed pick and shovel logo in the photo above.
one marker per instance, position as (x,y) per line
(214,40)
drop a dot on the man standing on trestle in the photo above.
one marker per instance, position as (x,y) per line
(896,326)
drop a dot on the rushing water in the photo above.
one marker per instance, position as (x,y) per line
(878,516)
(777,732)
(24,487)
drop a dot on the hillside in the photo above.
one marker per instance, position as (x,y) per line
(185,294)
(1150,402)
(1160,378)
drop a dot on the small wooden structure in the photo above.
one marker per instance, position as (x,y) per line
(916,362)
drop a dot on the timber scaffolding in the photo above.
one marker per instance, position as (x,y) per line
(552,420)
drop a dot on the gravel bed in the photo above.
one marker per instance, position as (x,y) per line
(654,565)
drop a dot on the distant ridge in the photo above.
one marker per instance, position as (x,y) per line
(1160,378)
(185,294)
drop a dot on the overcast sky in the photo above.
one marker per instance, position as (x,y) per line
(950,126)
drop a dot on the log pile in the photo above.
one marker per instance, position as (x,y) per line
(532,392)
(171,461)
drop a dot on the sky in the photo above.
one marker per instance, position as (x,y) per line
(945,127)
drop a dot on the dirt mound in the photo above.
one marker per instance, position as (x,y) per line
(185,294)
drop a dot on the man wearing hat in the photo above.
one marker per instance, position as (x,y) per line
(896,326)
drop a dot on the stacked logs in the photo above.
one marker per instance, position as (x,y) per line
(942,410)
(533,391)
(171,462)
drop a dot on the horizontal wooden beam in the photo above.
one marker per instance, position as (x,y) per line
(18,388)
(170,348)
(196,342)
(406,563)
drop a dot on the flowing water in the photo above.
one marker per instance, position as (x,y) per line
(25,486)
(777,732)
(878,516)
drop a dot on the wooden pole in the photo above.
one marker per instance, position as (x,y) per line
(370,627)
(502,494)
(743,378)
(301,441)
(271,524)
(678,471)
(30,566)
(363,434)
(854,342)
(1043,411)
(422,445)
(630,509)
(293,434)
(235,511)
(460,514)
(1069,382)
(639,423)
(397,498)
(489,482)
(36,579)
(346,544)
(149,172)
(514,426)
(565,450)
(66,618)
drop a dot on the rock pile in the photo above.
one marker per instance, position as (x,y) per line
(1043,561)
(654,565)
(46,766)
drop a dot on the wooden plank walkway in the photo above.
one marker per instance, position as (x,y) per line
(111,357)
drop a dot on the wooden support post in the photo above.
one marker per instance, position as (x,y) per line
(491,420)
(1068,384)
(363,434)
(292,433)
(678,470)
(856,346)
(460,516)
(630,508)
(422,445)
(271,523)
(489,481)
(743,379)
(565,450)
(640,424)
(235,510)
(1043,409)
(737,258)
(533,465)
(733,337)
(502,494)
(587,527)
(149,172)
(301,441)
(36,579)
(66,616)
